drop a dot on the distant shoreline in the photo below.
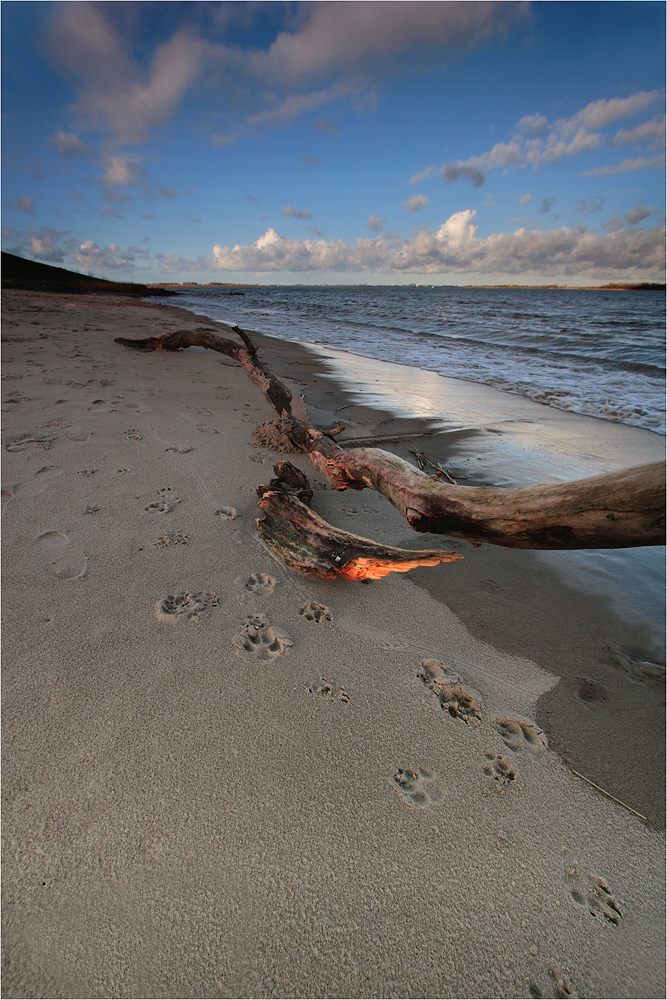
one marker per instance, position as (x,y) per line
(642,286)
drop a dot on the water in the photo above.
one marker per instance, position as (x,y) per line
(600,353)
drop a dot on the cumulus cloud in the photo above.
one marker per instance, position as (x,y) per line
(294,213)
(538,141)
(455,247)
(414,204)
(376,222)
(69,145)
(93,257)
(44,246)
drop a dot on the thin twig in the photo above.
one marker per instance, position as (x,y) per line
(608,794)
(423,461)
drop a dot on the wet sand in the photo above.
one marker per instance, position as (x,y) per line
(315,812)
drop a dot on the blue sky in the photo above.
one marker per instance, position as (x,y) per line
(377,142)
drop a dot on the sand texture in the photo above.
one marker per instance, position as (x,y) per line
(224,779)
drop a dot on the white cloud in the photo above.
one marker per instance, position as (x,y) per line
(294,213)
(69,145)
(653,130)
(92,257)
(349,36)
(627,166)
(114,95)
(537,141)
(456,248)
(414,204)
(636,215)
(525,199)
(121,170)
(44,246)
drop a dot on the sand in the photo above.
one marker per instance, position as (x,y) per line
(373,798)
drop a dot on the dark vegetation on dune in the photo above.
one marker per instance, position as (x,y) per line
(31,276)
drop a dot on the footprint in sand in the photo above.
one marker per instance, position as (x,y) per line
(329,691)
(418,788)
(99,406)
(132,435)
(63,562)
(314,612)
(259,641)
(28,442)
(445,683)
(191,606)
(260,583)
(499,769)
(227,513)
(207,429)
(35,486)
(646,671)
(594,894)
(76,434)
(172,538)
(180,449)
(520,736)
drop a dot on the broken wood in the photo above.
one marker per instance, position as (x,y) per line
(305,541)
(614,510)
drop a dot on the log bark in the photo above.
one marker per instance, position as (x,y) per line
(615,510)
(306,542)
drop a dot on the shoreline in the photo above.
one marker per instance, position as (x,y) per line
(182,817)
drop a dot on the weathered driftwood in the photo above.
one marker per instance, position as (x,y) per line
(306,542)
(614,510)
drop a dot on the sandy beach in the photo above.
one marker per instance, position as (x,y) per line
(189,814)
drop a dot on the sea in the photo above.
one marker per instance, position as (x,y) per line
(592,351)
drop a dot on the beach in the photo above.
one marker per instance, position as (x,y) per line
(190,814)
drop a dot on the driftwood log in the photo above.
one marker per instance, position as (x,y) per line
(615,510)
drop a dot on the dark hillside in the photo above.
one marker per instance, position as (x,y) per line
(31,276)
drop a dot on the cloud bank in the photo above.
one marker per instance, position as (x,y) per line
(456,248)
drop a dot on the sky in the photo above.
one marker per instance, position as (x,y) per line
(336,142)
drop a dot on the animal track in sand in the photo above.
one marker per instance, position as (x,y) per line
(91,510)
(418,789)
(260,583)
(66,563)
(329,691)
(520,736)
(499,769)
(227,513)
(314,612)
(590,691)
(593,893)
(86,472)
(180,449)
(259,641)
(207,429)
(445,683)
(186,605)
(172,538)
(551,984)
(166,504)
(132,435)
